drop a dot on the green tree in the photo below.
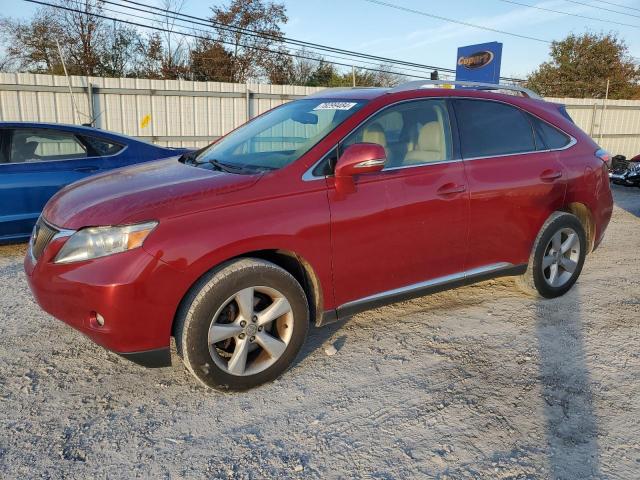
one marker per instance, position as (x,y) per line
(580,66)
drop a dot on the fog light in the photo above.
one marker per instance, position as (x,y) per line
(96,320)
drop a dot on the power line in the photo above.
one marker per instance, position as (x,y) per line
(603,8)
(283,39)
(409,69)
(570,14)
(619,5)
(459,22)
(128,22)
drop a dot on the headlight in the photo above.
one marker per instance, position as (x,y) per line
(95,242)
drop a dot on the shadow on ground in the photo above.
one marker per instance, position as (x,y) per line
(571,423)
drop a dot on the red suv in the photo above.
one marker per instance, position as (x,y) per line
(314,211)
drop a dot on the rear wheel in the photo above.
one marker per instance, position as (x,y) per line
(242,325)
(557,257)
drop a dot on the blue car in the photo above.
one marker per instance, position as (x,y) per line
(38,159)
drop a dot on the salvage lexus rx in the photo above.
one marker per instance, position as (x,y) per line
(316,210)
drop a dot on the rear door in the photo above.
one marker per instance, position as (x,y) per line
(37,163)
(407,225)
(515,183)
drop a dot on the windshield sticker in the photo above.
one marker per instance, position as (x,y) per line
(336,106)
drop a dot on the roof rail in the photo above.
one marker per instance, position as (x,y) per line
(324,91)
(418,84)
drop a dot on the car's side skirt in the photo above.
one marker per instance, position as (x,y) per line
(423,288)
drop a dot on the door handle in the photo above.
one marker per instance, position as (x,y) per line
(450,189)
(550,175)
(86,169)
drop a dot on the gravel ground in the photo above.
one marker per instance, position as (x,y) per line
(477,382)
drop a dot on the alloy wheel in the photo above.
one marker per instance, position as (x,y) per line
(561,257)
(250,331)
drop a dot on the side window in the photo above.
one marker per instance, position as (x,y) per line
(492,128)
(328,163)
(101,147)
(33,145)
(412,133)
(4,135)
(548,137)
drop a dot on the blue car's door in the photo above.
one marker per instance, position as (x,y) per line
(35,163)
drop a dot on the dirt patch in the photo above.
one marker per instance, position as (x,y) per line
(477,382)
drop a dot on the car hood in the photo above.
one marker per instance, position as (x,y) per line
(147,191)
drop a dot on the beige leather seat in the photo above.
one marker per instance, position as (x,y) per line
(374,133)
(430,146)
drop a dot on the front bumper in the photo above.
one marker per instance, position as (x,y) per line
(134,292)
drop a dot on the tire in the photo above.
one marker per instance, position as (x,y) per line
(235,301)
(539,279)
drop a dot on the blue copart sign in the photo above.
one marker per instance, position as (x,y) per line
(479,63)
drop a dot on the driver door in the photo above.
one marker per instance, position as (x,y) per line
(405,228)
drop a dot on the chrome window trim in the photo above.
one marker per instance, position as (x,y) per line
(571,143)
(308,176)
(434,282)
(424,164)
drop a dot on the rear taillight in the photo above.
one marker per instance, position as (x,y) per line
(604,156)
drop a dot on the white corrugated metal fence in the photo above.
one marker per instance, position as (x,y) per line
(184,113)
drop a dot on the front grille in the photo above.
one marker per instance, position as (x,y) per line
(43,233)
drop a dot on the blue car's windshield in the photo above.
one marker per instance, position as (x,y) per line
(279,137)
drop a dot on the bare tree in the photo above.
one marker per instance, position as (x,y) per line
(251,52)
(31,45)
(175,48)
(120,53)
(85,34)
(150,54)
(7,61)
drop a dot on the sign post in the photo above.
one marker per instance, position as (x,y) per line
(479,63)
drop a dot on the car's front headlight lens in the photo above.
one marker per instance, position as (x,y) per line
(95,242)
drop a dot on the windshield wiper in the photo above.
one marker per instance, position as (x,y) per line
(225,167)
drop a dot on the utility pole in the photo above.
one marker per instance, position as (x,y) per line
(353,75)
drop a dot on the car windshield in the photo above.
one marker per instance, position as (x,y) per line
(279,137)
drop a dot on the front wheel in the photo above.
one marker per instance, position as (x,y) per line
(557,257)
(242,325)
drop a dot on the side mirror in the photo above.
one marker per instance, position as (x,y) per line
(361,158)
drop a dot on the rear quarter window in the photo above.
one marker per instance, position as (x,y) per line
(549,137)
(101,147)
(490,128)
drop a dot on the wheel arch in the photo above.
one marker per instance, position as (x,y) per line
(289,261)
(584,215)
